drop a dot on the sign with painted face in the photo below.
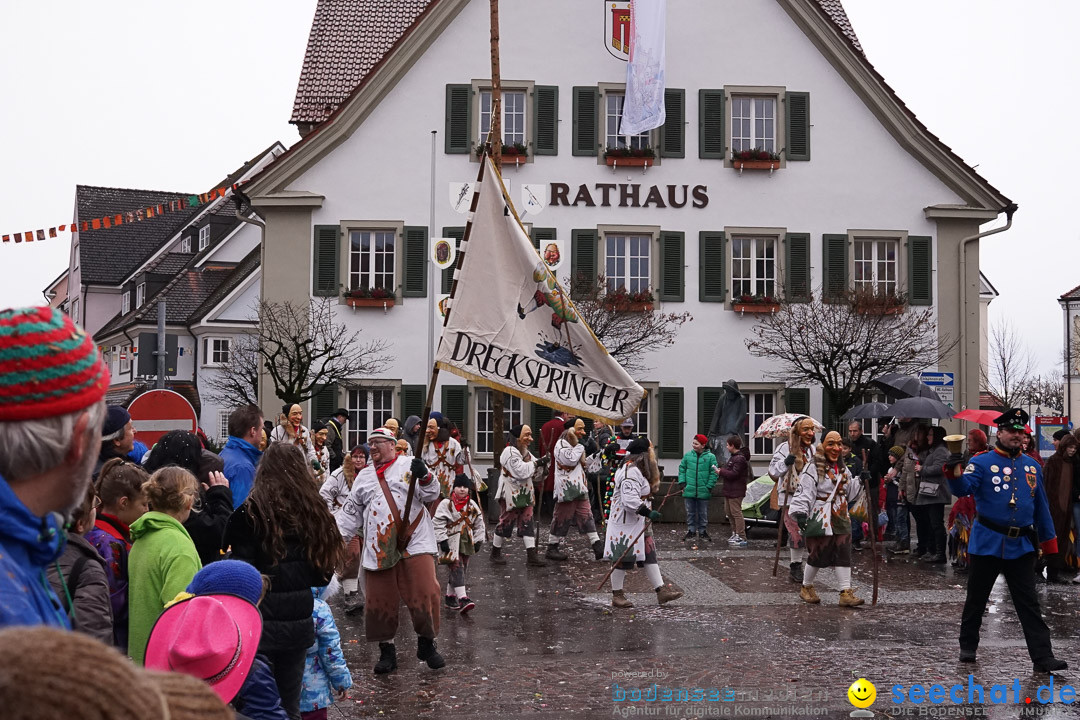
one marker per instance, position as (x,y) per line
(443,252)
(617,34)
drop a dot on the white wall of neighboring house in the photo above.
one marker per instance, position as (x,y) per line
(859,177)
(236,246)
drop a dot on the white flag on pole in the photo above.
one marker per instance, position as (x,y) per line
(514,328)
(643,107)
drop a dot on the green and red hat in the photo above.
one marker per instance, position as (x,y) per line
(49,366)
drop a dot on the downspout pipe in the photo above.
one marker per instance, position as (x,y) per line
(1067,375)
(1009,210)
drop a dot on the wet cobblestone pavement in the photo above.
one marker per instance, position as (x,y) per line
(544,643)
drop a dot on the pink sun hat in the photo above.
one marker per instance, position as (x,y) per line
(211,637)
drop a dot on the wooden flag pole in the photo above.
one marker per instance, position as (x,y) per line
(498,399)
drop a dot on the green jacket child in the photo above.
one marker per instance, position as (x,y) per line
(697,475)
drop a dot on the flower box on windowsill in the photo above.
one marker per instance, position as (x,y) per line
(758,307)
(613,161)
(755,164)
(370,302)
(629,305)
(879,309)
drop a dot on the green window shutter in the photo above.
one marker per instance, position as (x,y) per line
(414,283)
(797,267)
(797,400)
(546,120)
(413,398)
(672,266)
(538,415)
(454,404)
(712,281)
(920,269)
(834,282)
(797,119)
(582,255)
(673,131)
(711,135)
(540,236)
(670,416)
(829,417)
(324,402)
(586,118)
(458,119)
(325,269)
(707,400)
(448,274)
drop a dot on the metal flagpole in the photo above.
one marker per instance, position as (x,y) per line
(430,265)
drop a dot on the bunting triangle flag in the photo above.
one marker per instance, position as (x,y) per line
(511,326)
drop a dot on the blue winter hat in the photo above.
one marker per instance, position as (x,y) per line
(231,577)
(116,419)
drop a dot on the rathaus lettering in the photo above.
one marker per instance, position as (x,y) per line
(630,195)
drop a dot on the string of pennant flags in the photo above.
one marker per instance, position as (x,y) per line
(124,218)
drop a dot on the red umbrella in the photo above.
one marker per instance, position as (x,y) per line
(982,417)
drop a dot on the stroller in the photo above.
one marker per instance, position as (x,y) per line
(755,505)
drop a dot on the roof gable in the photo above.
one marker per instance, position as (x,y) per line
(337,44)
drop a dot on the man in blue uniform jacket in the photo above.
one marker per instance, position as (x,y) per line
(1011,526)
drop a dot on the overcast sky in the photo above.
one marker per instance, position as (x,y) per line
(173,97)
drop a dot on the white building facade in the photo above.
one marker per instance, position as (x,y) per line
(860,191)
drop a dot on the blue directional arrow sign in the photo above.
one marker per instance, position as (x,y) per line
(943,379)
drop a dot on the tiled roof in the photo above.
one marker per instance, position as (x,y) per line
(1073,294)
(170,263)
(349,37)
(108,256)
(182,295)
(835,10)
(230,283)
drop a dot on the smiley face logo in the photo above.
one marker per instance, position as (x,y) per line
(862,693)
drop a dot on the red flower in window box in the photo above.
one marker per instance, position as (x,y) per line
(755,304)
(621,300)
(630,157)
(755,159)
(369,297)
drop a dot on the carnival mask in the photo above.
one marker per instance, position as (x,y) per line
(832,447)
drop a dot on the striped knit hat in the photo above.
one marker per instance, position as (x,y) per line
(49,366)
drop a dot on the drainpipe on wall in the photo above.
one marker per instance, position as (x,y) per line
(1068,361)
(244,202)
(962,251)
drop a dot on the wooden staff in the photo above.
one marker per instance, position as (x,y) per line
(648,522)
(783,516)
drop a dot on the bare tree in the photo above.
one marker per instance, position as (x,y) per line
(302,349)
(237,382)
(629,330)
(1046,391)
(844,345)
(1010,366)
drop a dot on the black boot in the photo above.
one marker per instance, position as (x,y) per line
(497,558)
(533,559)
(967,656)
(1050,664)
(387,659)
(795,572)
(598,549)
(554,553)
(425,650)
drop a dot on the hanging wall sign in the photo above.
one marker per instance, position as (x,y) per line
(533,199)
(552,252)
(443,252)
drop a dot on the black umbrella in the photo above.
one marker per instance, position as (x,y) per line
(867,410)
(920,407)
(907,386)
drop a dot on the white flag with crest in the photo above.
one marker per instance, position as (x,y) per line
(643,107)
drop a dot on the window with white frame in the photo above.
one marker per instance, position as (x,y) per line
(613,108)
(125,358)
(513,116)
(753,122)
(762,407)
(75,310)
(371,259)
(485,418)
(875,265)
(204,237)
(125,302)
(641,417)
(753,266)
(626,262)
(185,244)
(140,294)
(368,409)
(216,351)
(223,425)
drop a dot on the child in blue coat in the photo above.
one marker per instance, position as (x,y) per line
(326,676)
